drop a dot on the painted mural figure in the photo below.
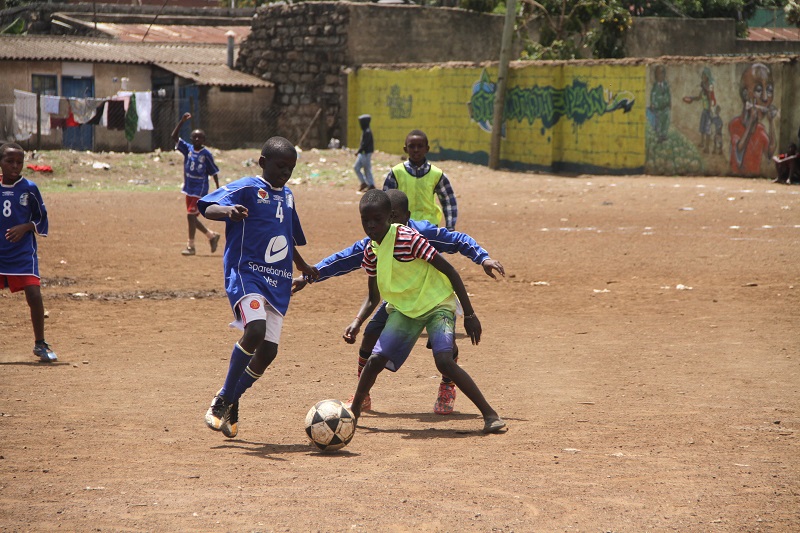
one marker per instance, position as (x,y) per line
(716,120)
(709,102)
(661,103)
(751,142)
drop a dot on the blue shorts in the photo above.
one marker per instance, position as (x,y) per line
(401,333)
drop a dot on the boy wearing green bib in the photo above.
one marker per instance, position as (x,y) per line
(418,284)
(423,183)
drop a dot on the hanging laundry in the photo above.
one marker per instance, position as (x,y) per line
(98,114)
(131,119)
(71,122)
(57,122)
(51,103)
(116,115)
(25,115)
(83,109)
(144,104)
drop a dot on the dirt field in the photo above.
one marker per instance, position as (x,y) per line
(643,348)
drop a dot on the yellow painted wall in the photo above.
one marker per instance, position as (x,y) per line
(436,100)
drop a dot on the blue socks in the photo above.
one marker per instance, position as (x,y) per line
(239,361)
(245,382)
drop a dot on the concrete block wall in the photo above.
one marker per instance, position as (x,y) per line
(590,116)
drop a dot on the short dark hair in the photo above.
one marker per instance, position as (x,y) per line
(10,146)
(417,133)
(399,201)
(375,198)
(277,146)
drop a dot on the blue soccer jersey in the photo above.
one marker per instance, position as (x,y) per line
(259,249)
(198,165)
(443,240)
(21,203)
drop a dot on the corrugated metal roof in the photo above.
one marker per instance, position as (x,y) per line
(773,34)
(70,48)
(210,60)
(173,33)
(214,75)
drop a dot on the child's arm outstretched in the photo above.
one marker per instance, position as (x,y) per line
(176,131)
(471,322)
(370,303)
(302,266)
(338,264)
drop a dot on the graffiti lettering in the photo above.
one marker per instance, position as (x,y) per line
(577,102)
(399,106)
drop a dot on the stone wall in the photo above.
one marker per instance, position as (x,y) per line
(301,48)
(306,49)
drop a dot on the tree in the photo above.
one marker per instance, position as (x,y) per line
(792,10)
(568,27)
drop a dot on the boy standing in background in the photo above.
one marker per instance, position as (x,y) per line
(364,155)
(423,183)
(198,165)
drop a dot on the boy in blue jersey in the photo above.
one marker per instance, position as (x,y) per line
(442,240)
(22,217)
(262,230)
(421,288)
(198,165)
(423,183)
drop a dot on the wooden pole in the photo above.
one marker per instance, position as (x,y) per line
(500,88)
(38,120)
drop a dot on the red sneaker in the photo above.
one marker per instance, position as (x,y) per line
(366,405)
(446,399)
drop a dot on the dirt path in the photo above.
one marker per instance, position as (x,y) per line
(643,347)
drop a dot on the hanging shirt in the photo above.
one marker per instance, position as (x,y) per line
(259,250)
(144,105)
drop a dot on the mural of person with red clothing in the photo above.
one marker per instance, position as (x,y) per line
(751,142)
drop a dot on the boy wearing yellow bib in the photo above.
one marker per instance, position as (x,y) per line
(423,183)
(418,284)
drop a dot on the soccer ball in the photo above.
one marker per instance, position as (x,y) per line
(330,425)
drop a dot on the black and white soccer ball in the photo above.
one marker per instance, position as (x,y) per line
(330,425)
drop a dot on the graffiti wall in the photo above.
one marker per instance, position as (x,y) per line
(719,117)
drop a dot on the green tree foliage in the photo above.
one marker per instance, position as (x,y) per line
(569,28)
(792,10)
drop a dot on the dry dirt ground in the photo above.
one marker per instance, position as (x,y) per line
(643,348)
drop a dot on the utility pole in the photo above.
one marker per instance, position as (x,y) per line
(502,80)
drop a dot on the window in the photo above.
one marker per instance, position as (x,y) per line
(44,84)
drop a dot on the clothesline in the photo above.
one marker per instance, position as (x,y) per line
(113,112)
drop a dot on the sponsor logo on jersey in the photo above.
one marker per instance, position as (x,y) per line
(290,201)
(263,196)
(23,199)
(8,193)
(254,304)
(277,249)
